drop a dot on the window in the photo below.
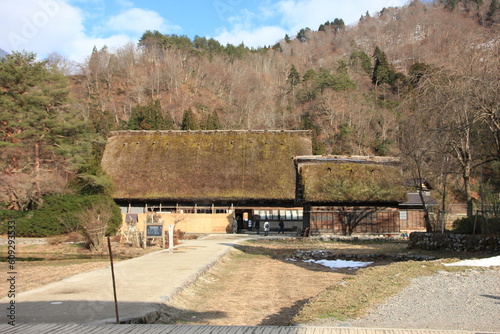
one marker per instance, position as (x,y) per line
(291,214)
(403,215)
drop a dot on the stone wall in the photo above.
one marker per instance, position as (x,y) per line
(454,242)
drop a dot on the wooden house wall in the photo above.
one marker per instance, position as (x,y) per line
(414,220)
(379,222)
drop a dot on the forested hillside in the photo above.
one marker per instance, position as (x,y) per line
(420,82)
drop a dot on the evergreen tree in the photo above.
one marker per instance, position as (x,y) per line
(361,59)
(338,82)
(189,120)
(39,135)
(490,15)
(152,39)
(149,117)
(309,75)
(293,77)
(417,71)
(382,70)
(91,179)
(212,121)
(338,25)
(302,34)
(277,47)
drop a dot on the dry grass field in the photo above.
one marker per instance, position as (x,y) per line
(257,284)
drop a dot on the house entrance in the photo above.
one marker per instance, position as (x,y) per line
(244,216)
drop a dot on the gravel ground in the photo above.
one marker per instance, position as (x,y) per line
(465,300)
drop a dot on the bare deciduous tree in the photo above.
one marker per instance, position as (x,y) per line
(94,222)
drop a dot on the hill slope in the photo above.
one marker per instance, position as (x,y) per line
(332,90)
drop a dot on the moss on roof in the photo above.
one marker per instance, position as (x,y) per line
(204,165)
(352,181)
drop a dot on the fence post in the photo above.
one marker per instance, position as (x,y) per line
(171,236)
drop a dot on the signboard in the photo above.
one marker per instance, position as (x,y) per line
(154,230)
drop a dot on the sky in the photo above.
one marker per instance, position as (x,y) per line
(71,28)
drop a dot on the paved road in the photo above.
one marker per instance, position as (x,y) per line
(143,284)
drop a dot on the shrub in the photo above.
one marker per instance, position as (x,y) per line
(466,225)
(57,215)
(98,219)
(61,214)
(8,215)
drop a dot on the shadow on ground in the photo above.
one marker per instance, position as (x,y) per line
(93,311)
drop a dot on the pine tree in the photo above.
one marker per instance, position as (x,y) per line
(189,121)
(211,121)
(338,25)
(293,79)
(382,70)
(361,59)
(149,117)
(490,15)
(214,123)
(39,135)
(302,34)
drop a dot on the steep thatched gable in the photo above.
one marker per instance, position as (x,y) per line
(351,180)
(204,165)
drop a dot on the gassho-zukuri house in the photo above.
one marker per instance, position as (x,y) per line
(200,180)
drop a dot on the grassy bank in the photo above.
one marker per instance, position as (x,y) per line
(356,295)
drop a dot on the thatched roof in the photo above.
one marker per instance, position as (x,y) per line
(350,180)
(415,200)
(204,165)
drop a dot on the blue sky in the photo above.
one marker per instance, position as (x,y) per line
(71,28)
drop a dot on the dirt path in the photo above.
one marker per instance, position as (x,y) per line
(266,292)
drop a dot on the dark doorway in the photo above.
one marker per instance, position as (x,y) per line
(244,216)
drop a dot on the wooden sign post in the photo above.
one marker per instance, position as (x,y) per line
(154,230)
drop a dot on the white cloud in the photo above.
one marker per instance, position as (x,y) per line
(46,26)
(252,38)
(78,50)
(298,14)
(137,20)
(41,26)
(290,16)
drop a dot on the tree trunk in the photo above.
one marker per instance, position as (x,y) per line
(38,194)
(468,190)
(428,226)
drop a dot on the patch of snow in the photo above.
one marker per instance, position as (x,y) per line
(488,262)
(335,264)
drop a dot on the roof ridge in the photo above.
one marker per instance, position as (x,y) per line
(134,132)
